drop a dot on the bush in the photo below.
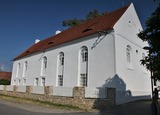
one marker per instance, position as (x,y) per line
(4,82)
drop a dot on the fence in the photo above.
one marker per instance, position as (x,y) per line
(85,98)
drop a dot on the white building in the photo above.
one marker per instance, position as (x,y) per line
(103,52)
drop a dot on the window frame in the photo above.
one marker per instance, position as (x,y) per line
(129,54)
(44,66)
(60,80)
(25,67)
(18,70)
(43,81)
(84,79)
(61,59)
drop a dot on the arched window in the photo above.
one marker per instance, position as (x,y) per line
(84,54)
(129,54)
(83,80)
(60,68)
(25,68)
(61,59)
(44,66)
(18,70)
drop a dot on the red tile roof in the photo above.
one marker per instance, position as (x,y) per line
(104,22)
(5,75)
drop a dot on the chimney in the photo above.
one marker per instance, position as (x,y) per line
(57,32)
(37,40)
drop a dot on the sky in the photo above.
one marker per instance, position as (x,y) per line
(23,21)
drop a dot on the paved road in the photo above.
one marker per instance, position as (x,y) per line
(13,108)
(136,108)
(10,110)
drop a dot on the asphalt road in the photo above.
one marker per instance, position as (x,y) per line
(135,108)
(9,108)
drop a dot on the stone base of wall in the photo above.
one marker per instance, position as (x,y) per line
(78,99)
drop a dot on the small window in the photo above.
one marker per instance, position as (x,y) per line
(84,80)
(43,81)
(36,81)
(60,80)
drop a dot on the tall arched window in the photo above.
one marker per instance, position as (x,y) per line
(25,67)
(60,68)
(83,66)
(18,70)
(129,54)
(61,59)
(84,54)
(44,66)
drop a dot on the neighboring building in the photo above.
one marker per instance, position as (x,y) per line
(5,75)
(103,52)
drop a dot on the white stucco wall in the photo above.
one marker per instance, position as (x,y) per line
(100,62)
(134,77)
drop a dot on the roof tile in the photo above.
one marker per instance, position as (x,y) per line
(105,22)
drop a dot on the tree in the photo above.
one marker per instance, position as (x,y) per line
(152,35)
(91,15)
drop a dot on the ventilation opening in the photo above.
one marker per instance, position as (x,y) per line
(27,51)
(50,43)
(86,30)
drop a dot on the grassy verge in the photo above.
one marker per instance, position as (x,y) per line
(38,102)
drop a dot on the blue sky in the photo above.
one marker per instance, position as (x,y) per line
(23,21)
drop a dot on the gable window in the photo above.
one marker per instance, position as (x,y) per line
(84,54)
(44,66)
(25,68)
(60,69)
(18,70)
(128,54)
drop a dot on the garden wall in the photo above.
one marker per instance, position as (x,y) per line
(76,96)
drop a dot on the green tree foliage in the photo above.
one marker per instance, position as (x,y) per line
(152,35)
(73,22)
(4,82)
